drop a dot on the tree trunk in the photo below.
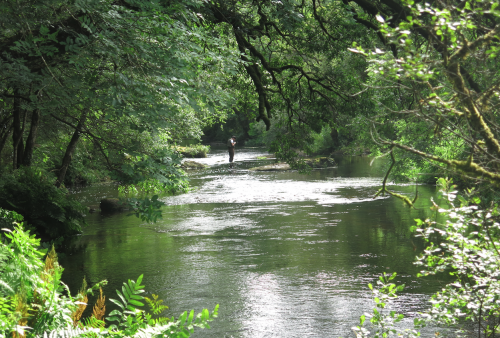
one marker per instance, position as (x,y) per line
(5,130)
(16,133)
(5,137)
(70,150)
(335,138)
(20,151)
(30,142)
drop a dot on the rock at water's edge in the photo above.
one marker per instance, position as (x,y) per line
(192,165)
(112,205)
(318,162)
(272,167)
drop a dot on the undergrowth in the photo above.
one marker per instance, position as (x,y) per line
(34,302)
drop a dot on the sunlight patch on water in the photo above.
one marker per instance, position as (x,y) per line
(250,188)
(221,156)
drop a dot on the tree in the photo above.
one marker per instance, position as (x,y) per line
(446,62)
(83,65)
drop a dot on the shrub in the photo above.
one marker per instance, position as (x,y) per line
(46,208)
(197,150)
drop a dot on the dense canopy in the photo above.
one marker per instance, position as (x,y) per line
(110,86)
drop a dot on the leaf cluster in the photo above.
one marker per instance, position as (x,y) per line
(47,209)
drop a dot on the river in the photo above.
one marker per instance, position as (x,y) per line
(284,254)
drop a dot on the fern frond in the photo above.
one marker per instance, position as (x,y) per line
(99,307)
(3,284)
(183,327)
(71,333)
(83,289)
(82,304)
(22,308)
(155,304)
(51,260)
(129,299)
(93,322)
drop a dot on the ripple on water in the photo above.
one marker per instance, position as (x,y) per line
(249,188)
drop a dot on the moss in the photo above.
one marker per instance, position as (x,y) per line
(195,151)
(192,165)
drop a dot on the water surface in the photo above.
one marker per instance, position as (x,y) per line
(284,254)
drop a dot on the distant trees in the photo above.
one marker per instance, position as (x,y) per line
(427,84)
(155,71)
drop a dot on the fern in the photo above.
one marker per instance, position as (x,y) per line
(82,304)
(137,323)
(93,322)
(129,298)
(99,307)
(35,302)
(70,333)
(181,328)
(157,308)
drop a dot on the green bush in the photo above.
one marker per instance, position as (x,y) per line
(49,210)
(80,174)
(197,151)
(322,142)
(257,135)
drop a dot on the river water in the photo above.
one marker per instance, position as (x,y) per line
(284,254)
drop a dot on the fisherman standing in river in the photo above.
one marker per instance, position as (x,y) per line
(230,147)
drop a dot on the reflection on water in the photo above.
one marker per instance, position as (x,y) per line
(284,254)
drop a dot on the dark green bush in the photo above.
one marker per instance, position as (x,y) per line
(9,218)
(49,210)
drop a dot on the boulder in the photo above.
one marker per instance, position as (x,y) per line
(320,162)
(112,205)
(192,165)
(272,167)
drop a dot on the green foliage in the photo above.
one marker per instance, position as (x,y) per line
(197,150)
(9,218)
(32,288)
(146,209)
(21,262)
(162,167)
(143,175)
(462,241)
(82,171)
(34,302)
(383,319)
(322,142)
(130,321)
(155,304)
(114,84)
(257,135)
(435,85)
(45,208)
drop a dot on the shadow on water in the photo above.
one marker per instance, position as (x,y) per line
(284,254)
